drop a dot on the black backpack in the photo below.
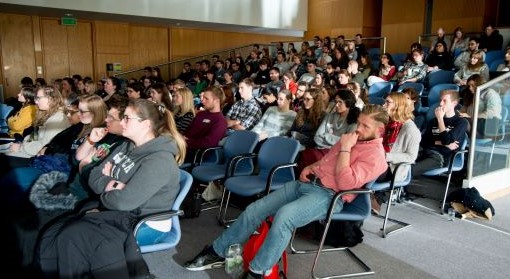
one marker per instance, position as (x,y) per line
(192,204)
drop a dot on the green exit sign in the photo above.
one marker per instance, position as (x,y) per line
(68,20)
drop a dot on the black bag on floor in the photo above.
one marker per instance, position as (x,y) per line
(192,204)
(340,233)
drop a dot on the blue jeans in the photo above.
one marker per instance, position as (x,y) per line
(149,236)
(293,206)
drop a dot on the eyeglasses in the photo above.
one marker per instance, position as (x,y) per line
(111,118)
(307,99)
(71,111)
(127,117)
(83,111)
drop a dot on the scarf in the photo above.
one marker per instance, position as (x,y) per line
(390,134)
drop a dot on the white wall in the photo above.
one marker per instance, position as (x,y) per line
(272,14)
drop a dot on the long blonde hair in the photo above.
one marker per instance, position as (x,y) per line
(97,107)
(55,104)
(187,102)
(163,123)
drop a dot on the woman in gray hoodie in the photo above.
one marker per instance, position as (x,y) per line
(140,177)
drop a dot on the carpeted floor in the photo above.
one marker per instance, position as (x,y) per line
(432,247)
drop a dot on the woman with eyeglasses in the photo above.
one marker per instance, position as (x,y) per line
(343,119)
(140,177)
(49,121)
(58,155)
(23,120)
(387,70)
(439,58)
(308,118)
(476,65)
(401,141)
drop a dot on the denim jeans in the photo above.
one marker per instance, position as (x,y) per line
(293,206)
(149,236)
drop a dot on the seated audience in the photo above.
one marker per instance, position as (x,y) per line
(50,121)
(360,94)
(401,141)
(183,109)
(475,66)
(289,81)
(505,67)
(160,95)
(443,136)
(277,120)
(269,97)
(489,104)
(245,113)
(335,124)
(387,70)
(127,191)
(464,58)
(25,117)
(491,39)
(308,118)
(414,71)
(440,58)
(356,159)
(459,41)
(209,125)
(135,91)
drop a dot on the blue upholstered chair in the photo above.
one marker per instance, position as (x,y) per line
(418,86)
(455,163)
(5,110)
(237,143)
(174,235)
(395,188)
(494,133)
(275,166)
(357,210)
(380,89)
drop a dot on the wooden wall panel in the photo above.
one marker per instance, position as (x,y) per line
(18,57)
(55,49)
(148,46)
(79,41)
(111,37)
(400,26)
(334,17)
(467,14)
(111,45)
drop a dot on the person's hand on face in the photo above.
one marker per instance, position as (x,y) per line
(440,112)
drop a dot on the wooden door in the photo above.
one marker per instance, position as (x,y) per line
(18,55)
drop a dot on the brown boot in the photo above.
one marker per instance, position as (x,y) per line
(376,207)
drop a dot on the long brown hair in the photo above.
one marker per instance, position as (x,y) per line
(478,54)
(314,114)
(55,103)
(97,107)
(163,123)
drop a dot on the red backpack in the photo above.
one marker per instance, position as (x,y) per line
(252,246)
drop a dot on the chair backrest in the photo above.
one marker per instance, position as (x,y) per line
(494,55)
(5,110)
(506,98)
(374,53)
(399,58)
(493,66)
(357,210)
(239,142)
(439,77)
(277,151)
(457,51)
(380,89)
(376,100)
(458,161)
(418,86)
(434,93)
(173,237)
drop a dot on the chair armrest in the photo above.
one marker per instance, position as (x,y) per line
(338,195)
(204,151)
(234,161)
(160,216)
(452,158)
(394,172)
(273,171)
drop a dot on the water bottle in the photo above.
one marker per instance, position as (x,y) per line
(234,261)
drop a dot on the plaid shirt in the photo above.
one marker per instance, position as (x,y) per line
(248,112)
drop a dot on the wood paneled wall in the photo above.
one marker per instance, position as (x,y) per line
(30,41)
(401,23)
